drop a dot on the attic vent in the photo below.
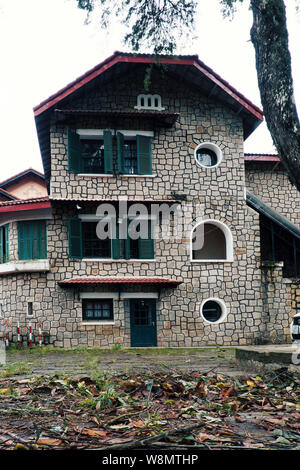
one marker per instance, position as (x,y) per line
(149,102)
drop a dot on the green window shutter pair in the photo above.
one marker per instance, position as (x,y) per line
(74,152)
(4,243)
(144,154)
(146,246)
(32,240)
(76,240)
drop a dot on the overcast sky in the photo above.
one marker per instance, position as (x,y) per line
(45,45)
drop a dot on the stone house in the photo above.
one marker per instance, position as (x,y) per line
(157,230)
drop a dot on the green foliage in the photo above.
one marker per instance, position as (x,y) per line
(18,368)
(153,24)
(229,7)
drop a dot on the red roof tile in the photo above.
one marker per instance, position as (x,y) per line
(262,157)
(118,280)
(25,204)
(25,201)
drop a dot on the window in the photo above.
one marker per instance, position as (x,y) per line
(211,240)
(92,247)
(208,155)
(4,243)
(32,240)
(30,309)
(92,156)
(95,154)
(97,309)
(84,243)
(213,310)
(149,102)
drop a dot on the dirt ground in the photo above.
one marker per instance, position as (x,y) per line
(144,399)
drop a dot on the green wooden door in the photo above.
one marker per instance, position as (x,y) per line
(143,322)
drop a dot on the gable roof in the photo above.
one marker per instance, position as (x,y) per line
(123,57)
(186,67)
(18,176)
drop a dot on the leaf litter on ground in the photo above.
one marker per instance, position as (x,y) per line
(151,410)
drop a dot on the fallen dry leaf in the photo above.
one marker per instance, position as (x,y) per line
(280,422)
(94,432)
(252,444)
(49,441)
(137,424)
(227,392)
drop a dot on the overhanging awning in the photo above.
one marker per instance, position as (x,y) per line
(119,281)
(161,118)
(259,206)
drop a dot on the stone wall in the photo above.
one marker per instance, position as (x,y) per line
(219,191)
(295,298)
(269,182)
(277,300)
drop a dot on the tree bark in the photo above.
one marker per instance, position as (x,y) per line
(273,63)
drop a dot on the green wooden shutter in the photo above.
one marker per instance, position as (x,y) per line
(127,243)
(75,238)
(146,246)
(120,149)
(108,154)
(24,240)
(6,243)
(74,151)
(43,239)
(115,245)
(144,155)
(21,241)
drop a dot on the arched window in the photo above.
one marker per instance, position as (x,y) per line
(211,240)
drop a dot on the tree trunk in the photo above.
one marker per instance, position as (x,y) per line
(273,62)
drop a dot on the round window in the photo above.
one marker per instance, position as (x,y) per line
(208,155)
(213,310)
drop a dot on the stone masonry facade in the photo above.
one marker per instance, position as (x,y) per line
(259,302)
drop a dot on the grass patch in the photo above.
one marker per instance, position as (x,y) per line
(17,368)
(93,356)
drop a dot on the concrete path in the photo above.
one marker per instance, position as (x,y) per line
(207,360)
(269,356)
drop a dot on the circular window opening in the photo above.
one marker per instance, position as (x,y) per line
(213,310)
(208,155)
